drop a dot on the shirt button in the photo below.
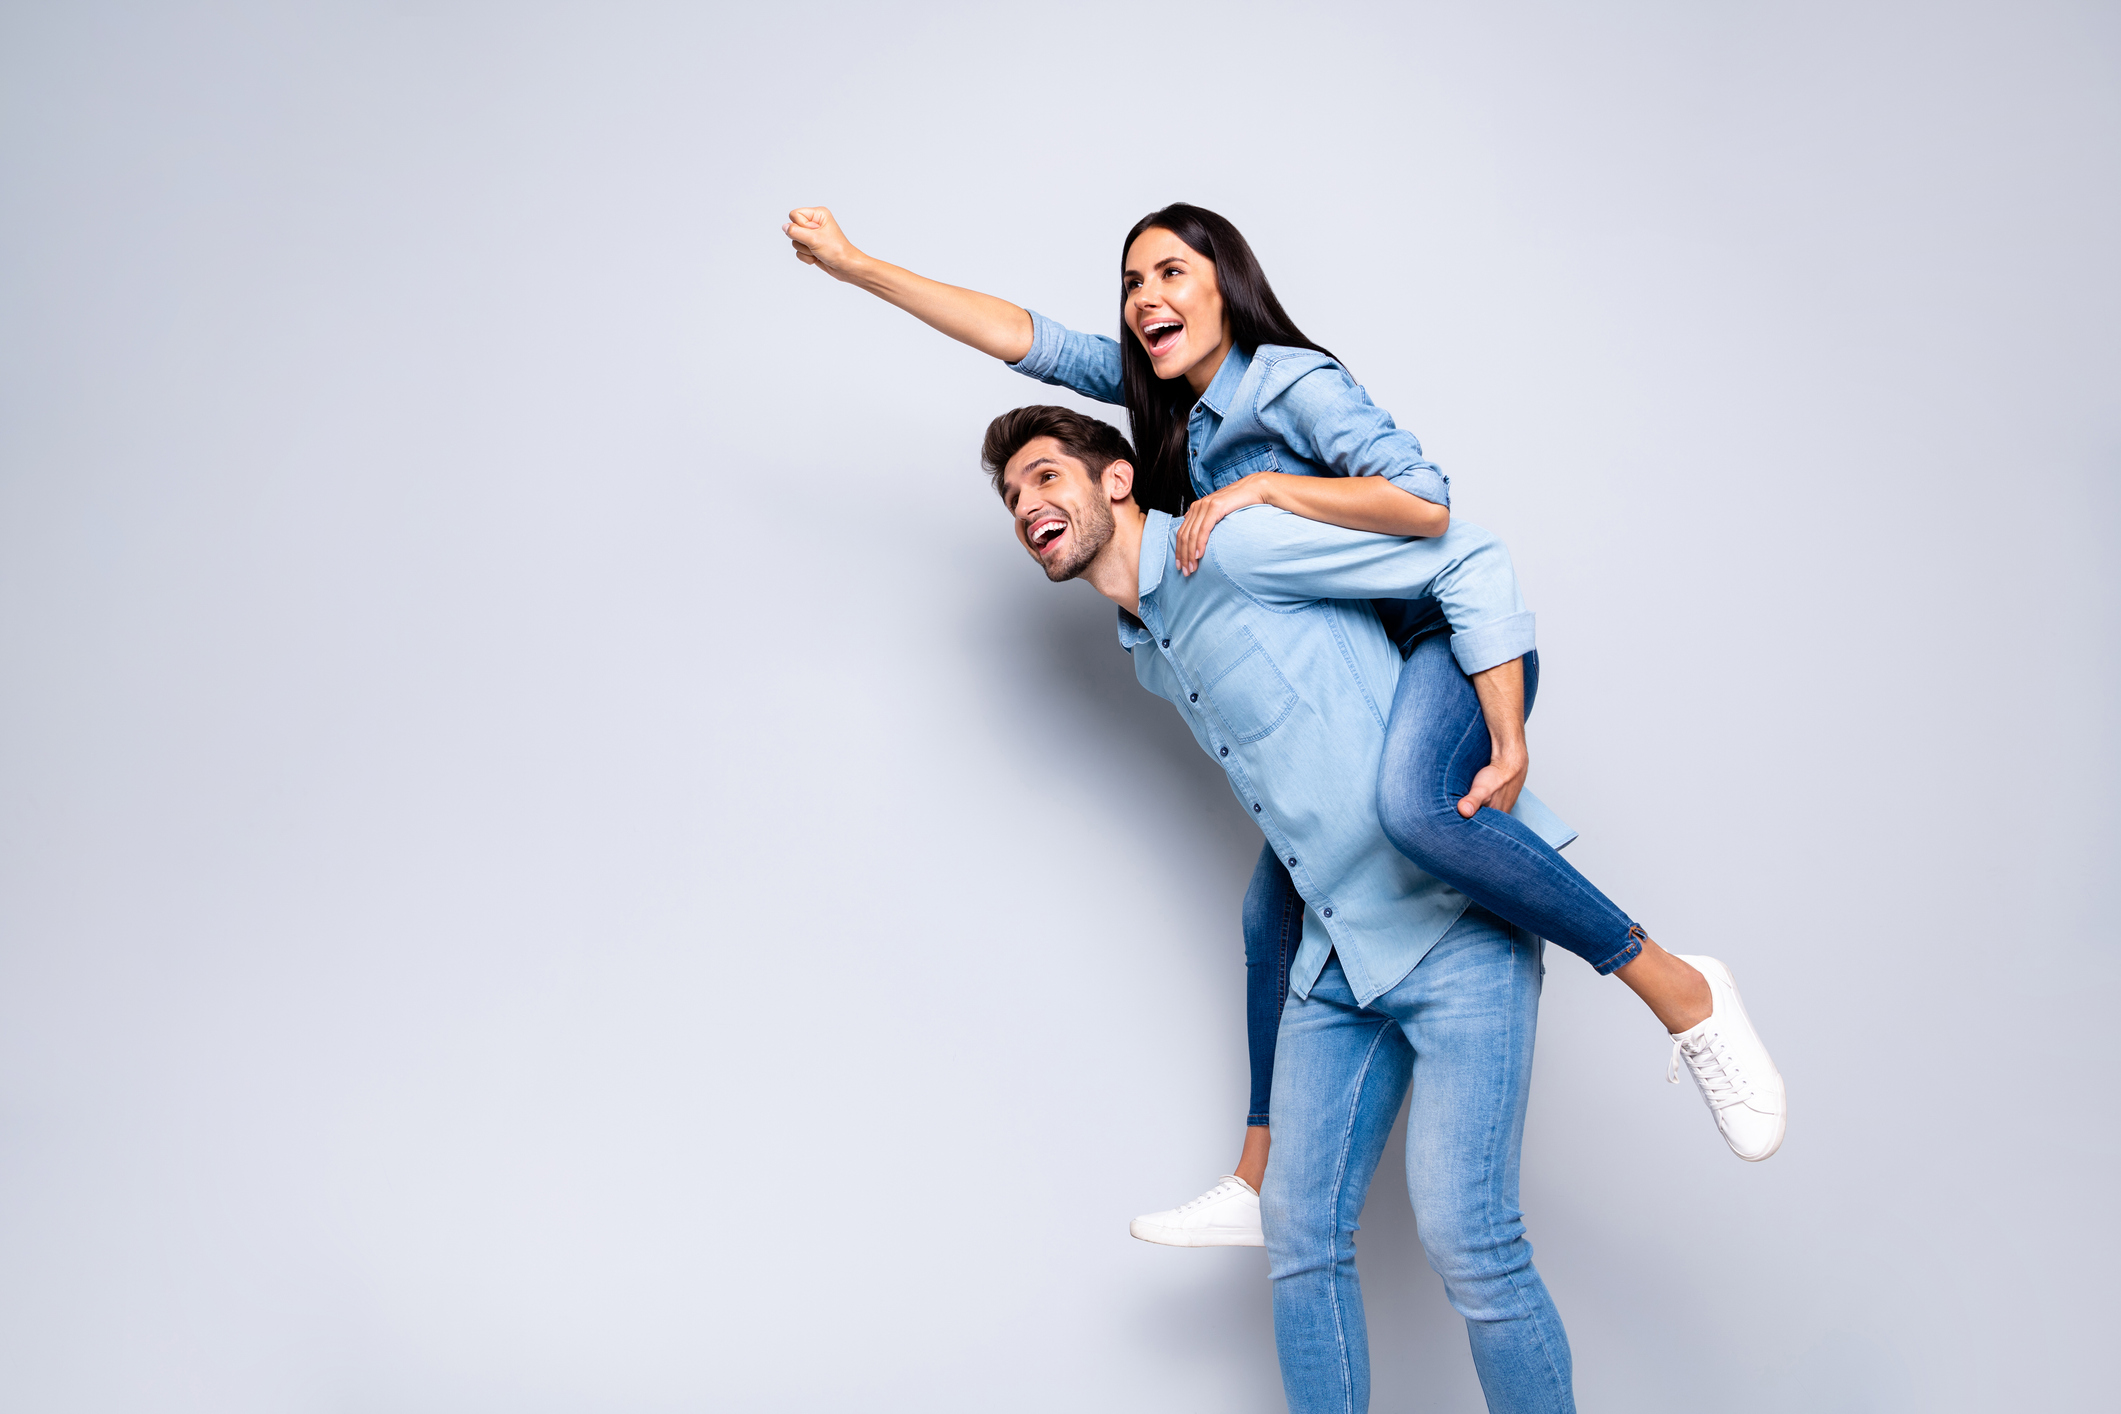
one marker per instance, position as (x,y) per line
(1255,809)
(1192,697)
(1226,751)
(1292,861)
(1167,643)
(1329,913)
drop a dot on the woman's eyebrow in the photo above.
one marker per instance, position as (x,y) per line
(1161,264)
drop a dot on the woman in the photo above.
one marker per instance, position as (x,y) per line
(1233,406)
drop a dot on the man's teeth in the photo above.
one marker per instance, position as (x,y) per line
(1047,531)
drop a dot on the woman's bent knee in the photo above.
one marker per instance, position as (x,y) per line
(1424,830)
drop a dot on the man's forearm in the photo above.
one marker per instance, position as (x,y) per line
(1501,690)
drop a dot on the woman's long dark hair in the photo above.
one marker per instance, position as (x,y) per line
(1158,408)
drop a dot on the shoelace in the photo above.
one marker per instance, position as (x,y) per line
(1220,1190)
(1716,1070)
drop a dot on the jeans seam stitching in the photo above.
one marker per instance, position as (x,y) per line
(1340,1177)
(1517,1278)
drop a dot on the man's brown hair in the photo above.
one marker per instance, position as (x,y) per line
(1095,444)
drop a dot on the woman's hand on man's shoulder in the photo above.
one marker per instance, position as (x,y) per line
(1191,545)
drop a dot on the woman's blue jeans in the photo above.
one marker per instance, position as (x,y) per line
(1435,743)
(1458,1032)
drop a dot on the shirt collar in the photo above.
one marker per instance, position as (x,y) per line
(1222,388)
(1158,532)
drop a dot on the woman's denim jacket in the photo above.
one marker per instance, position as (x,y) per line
(1276,409)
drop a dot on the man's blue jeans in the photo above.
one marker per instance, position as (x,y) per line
(1459,1030)
(1435,744)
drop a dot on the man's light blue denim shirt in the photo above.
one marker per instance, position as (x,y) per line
(1275,409)
(1280,667)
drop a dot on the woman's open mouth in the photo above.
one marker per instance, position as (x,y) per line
(1161,336)
(1045,533)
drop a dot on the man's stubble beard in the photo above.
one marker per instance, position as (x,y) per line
(1090,542)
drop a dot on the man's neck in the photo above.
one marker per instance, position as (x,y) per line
(1116,573)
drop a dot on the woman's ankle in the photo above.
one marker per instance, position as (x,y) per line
(1252,1160)
(1675,991)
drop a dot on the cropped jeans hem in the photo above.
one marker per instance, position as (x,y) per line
(1636,938)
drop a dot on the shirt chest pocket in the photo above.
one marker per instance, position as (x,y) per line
(1246,690)
(1223,473)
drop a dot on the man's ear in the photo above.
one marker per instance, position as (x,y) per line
(1124,487)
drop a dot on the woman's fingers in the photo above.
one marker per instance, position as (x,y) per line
(1194,530)
(1193,536)
(811,230)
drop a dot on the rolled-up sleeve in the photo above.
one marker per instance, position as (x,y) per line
(1285,561)
(1491,645)
(1086,363)
(1326,417)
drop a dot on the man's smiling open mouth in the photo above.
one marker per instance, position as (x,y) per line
(1044,532)
(1162,335)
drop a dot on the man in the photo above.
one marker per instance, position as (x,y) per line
(1280,667)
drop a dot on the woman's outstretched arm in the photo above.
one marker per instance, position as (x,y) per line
(993,326)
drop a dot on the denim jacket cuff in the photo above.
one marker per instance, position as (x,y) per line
(1492,645)
(1047,340)
(1426,482)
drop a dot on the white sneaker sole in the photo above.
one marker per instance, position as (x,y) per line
(1782,1120)
(1194,1236)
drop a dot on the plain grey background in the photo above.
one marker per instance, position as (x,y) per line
(554,856)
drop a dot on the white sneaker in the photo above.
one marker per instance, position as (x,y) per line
(1227,1215)
(1731,1066)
